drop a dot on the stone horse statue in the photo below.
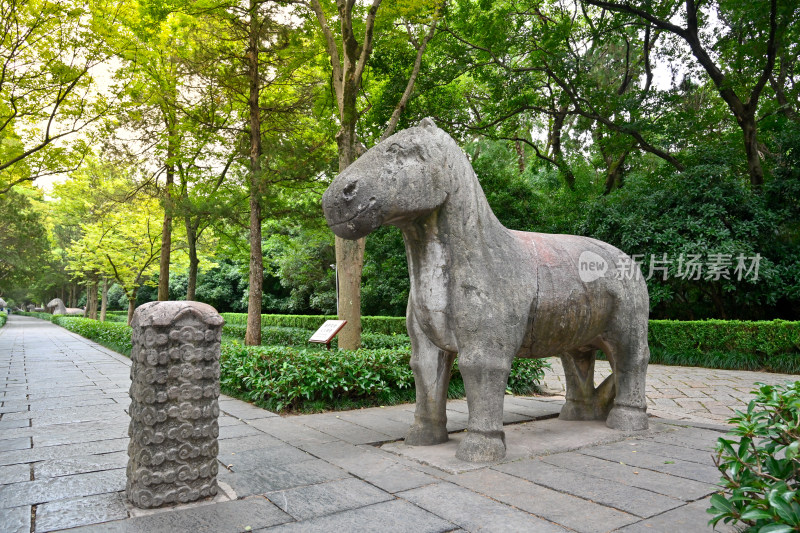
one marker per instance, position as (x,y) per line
(57,307)
(489,294)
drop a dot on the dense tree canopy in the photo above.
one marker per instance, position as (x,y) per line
(192,141)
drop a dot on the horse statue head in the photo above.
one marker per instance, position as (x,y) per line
(56,306)
(398,180)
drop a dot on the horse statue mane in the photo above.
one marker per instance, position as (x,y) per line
(489,294)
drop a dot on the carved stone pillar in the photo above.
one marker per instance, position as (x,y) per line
(172,456)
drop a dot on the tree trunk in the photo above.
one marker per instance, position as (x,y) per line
(748,125)
(520,156)
(555,142)
(104,300)
(614,176)
(91,299)
(349,254)
(131,306)
(191,240)
(166,234)
(253,332)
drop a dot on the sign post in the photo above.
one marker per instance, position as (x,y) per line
(327,331)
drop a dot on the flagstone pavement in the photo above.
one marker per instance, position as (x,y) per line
(63,442)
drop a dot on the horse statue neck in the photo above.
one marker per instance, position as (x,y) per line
(466,215)
(462,226)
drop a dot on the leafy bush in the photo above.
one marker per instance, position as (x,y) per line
(733,344)
(113,335)
(285,377)
(386,325)
(292,336)
(761,471)
(3,318)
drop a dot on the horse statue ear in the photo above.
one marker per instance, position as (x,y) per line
(427,123)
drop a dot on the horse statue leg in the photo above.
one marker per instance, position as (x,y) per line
(629,355)
(485,373)
(583,400)
(431,368)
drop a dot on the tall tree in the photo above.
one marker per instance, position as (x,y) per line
(741,78)
(348,59)
(263,68)
(47,59)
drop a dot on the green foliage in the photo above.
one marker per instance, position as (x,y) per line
(386,325)
(113,335)
(385,282)
(526,375)
(511,198)
(761,469)
(703,211)
(3,318)
(284,377)
(23,238)
(773,346)
(289,378)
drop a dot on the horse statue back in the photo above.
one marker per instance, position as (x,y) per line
(489,294)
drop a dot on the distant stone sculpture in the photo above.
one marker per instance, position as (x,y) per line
(489,294)
(31,308)
(56,306)
(172,456)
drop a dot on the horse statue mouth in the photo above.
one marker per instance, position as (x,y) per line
(363,222)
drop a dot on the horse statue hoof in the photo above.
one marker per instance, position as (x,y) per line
(627,419)
(482,448)
(425,436)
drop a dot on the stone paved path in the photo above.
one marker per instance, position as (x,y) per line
(63,442)
(685,393)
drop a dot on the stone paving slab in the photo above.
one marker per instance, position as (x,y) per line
(74,512)
(522,441)
(642,478)
(621,496)
(569,511)
(396,516)
(323,499)
(226,517)
(63,400)
(684,393)
(475,512)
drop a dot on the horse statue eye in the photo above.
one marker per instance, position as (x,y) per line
(403,152)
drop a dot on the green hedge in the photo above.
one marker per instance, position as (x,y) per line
(3,318)
(386,325)
(773,346)
(285,378)
(113,335)
(293,336)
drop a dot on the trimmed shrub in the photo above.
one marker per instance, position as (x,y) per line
(288,378)
(113,335)
(733,344)
(761,469)
(281,377)
(291,336)
(386,325)
(3,318)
